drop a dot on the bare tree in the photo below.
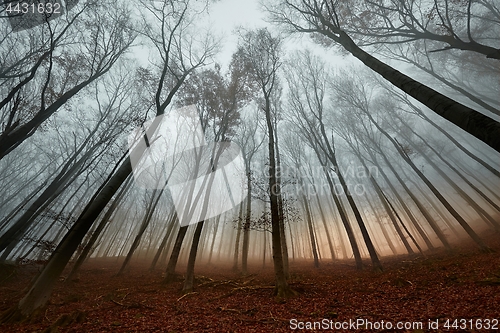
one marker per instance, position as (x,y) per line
(177,62)
(324,19)
(262,51)
(310,83)
(466,26)
(103,36)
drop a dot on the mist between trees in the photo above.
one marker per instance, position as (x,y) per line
(393,151)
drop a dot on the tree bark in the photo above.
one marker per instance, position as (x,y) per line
(475,123)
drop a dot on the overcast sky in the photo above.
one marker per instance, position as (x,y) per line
(227,15)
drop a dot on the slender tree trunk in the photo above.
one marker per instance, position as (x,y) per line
(237,242)
(345,221)
(67,174)
(41,289)
(246,226)
(327,232)
(444,217)
(7,219)
(189,281)
(461,90)
(281,287)
(172,220)
(391,216)
(216,228)
(481,212)
(401,221)
(311,232)
(364,232)
(99,229)
(384,230)
(454,141)
(264,251)
(338,229)
(462,167)
(284,245)
(174,256)
(387,207)
(400,199)
(435,191)
(155,198)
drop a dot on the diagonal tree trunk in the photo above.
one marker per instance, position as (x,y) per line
(434,190)
(470,120)
(172,220)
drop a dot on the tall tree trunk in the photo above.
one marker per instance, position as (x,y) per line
(450,137)
(237,242)
(284,245)
(325,226)
(364,232)
(480,211)
(174,256)
(246,226)
(470,120)
(67,174)
(338,229)
(281,285)
(8,218)
(466,197)
(384,230)
(311,231)
(345,221)
(400,199)
(462,167)
(155,198)
(434,190)
(387,209)
(172,220)
(401,221)
(461,90)
(216,228)
(445,218)
(189,281)
(41,289)
(97,232)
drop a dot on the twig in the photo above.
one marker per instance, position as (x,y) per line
(228,309)
(242,288)
(248,281)
(191,293)
(253,287)
(112,300)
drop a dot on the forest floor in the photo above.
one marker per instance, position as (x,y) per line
(462,284)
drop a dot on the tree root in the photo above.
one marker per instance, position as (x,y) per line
(284,293)
(187,294)
(241,288)
(13,315)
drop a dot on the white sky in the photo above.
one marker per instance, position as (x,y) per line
(227,15)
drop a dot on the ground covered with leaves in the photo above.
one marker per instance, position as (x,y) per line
(462,284)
